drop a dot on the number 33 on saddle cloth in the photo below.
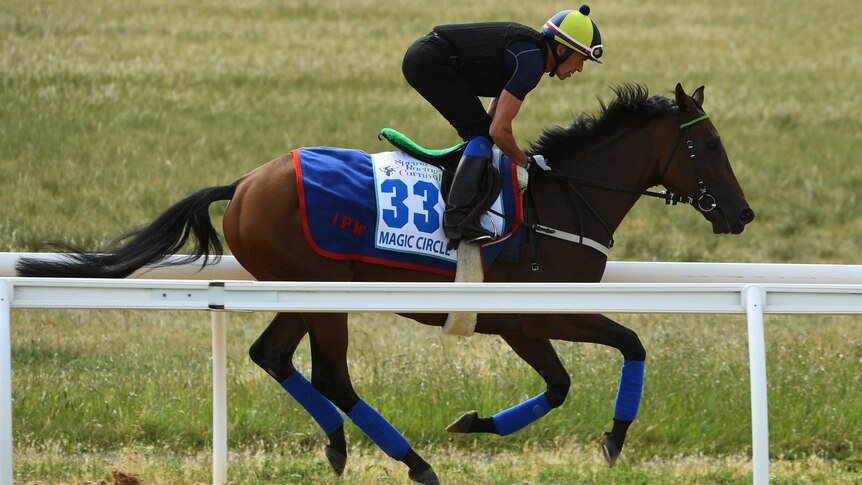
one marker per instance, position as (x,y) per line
(386,208)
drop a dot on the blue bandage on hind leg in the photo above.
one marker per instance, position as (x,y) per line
(381,432)
(328,416)
(516,417)
(631,388)
(479,147)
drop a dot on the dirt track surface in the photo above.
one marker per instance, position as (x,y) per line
(121,477)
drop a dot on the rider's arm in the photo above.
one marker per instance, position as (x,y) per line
(525,64)
(506,108)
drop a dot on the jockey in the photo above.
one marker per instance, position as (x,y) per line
(455,64)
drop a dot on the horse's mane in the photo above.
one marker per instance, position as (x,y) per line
(633,104)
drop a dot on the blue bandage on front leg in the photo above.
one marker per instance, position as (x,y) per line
(516,417)
(630,391)
(328,416)
(381,432)
(479,147)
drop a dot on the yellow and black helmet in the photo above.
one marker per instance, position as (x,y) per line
(575,30)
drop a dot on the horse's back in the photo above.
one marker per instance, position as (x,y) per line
(263,228)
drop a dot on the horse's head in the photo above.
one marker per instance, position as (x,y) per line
(698,168)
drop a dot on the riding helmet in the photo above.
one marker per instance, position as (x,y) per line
(575,30)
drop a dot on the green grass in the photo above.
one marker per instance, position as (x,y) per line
(112,111)
(131,383)
(563,463)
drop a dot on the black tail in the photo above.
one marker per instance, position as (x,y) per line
(146,246)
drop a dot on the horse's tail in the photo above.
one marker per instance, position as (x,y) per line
(149,245)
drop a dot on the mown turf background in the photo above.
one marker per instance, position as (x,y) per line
(111,111)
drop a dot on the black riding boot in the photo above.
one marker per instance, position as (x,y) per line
(459,221)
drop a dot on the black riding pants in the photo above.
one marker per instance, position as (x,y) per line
(429,68)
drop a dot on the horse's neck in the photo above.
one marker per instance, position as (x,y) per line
(628,162)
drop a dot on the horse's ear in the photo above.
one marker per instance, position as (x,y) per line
(698,95)
(682,99)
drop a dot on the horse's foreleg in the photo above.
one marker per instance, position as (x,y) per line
(602,330)
(329,337)
(273,352)
(542,357)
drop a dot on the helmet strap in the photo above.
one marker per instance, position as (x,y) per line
(558,59)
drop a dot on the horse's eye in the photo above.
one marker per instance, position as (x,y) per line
(712,144)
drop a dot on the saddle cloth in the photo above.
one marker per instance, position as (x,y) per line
(386,208)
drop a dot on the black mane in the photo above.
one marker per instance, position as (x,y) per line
(633,104)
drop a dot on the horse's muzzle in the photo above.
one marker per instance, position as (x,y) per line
(730,225)
(729,220)
(746,216)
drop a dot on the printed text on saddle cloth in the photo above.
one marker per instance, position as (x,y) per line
(410,207)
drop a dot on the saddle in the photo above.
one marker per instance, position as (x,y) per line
(447,160)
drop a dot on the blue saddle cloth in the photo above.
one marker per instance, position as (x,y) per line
(387,209)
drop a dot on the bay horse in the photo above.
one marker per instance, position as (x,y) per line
(600,166)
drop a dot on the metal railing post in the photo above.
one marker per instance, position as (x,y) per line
(753,298)
(5,383)
(219,361)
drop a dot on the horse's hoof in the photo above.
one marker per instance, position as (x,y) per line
(425,477)
(609,449)
(462,424)
(337,460)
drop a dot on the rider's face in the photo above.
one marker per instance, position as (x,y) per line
(575,63)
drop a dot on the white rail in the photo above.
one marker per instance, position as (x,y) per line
(753,300)
(617,271)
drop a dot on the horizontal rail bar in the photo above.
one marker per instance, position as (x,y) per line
(228,268)
(427,297)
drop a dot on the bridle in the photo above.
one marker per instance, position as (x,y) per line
(705,201)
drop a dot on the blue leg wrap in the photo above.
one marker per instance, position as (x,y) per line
(479,147)
(321,409)
(631,388)
(381,432)
(516,417)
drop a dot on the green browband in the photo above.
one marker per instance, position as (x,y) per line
(689,123)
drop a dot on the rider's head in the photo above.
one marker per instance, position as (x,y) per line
(574,30)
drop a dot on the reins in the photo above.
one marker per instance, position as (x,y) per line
(670,197)
(705,202)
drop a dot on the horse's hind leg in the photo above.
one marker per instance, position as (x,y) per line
(542,357)
(329,337)
(273,352)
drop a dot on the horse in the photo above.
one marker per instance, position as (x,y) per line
(599,167)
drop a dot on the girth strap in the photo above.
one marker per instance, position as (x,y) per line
(568,236)
(557,233)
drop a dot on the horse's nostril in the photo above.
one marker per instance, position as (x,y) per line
(746,215)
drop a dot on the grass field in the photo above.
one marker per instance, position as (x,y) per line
(111,111)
